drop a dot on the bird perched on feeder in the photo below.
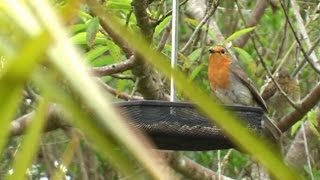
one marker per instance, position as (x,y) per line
(230,84)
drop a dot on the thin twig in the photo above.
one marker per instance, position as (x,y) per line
(203,43)
(293,104)
(284,59)
(305,106)
(306,150)
(169,13)
(124,77)
(203,21)
(302,63)
(164,37)
(284,37)
(135,87)
(253,20)
(113,91)
(312,64)
(225,160)
(191,169)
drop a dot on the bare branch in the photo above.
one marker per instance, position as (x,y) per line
(124,77)
(305,106)
(55,120)
(114,68)
(198,28)
(113,91)
(150,84)
(293,104)
(143,19)
(312,63)
(285,58)
(191,169)
(302,29)
(169,13)
(256,15)
(301,65)
(164,37)
(296,155)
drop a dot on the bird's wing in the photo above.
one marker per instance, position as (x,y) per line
(239,73)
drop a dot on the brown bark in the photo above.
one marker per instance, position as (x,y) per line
(305,106)
(297,155)
(254,19)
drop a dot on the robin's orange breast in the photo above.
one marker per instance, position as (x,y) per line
(219,72)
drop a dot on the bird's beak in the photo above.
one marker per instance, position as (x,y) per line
(211,51)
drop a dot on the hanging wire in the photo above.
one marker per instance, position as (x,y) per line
(174,45)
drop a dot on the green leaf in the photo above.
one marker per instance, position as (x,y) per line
(81,39)
(92,30)
(196,72)
(295,127)
(195,23)
(102,61)
(119,5)
(239,33)
(114,50)
(162,26)
(195,54)
(77,28)
(247,61)
(96,52)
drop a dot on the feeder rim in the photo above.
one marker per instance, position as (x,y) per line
(184,104)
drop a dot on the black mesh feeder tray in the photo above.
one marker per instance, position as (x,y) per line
(179,125)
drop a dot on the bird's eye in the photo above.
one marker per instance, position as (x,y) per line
(223,51)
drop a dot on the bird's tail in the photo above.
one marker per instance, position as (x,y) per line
(272,127)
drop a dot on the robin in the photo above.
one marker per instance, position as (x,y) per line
(231,85)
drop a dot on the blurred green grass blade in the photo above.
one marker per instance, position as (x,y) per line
(68,154)
(237,132)
(102,142)
(30,142)
(63,56)
(19,68)
(12,78)
(10,96)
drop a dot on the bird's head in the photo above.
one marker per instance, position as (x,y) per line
(218,49)
(219,52)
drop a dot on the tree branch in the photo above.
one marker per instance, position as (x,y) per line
(143,19)
(305,106)
(312,63)
(150,84)
(292,103)
(55,120)
(198,28)
(120,95)
(254,19)
(191,169)
(114,68)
